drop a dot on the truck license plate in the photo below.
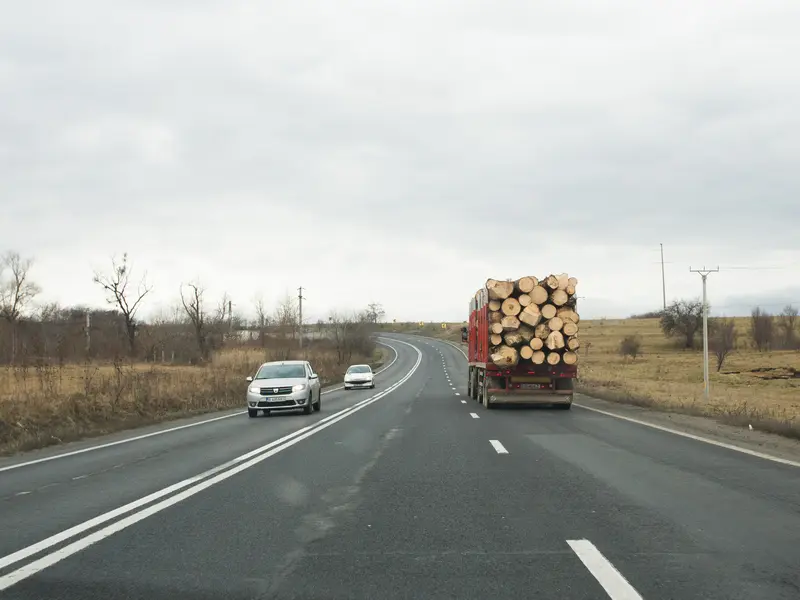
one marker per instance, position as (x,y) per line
(532,386)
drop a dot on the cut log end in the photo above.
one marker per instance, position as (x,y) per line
(555,324)
(531,315)
(505,357)
(496,328)
(573,343)
(555,340)
(559,297)
(495,316)
(563,281)
(494,305)
(569,328)
(513,338)
(536,343)
(542,331)
(538,294)
(526,352)
(499,290)
(526,284)
(551,282)
(495,339)
(538,357)
(553,358)
(509,323)
(548,311)
(570,358)
(511,307)
(524,300)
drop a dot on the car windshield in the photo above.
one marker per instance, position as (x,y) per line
(359,369)
(281,371)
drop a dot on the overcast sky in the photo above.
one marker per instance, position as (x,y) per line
(404,151)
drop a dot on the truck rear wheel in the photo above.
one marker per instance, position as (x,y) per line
(485,394)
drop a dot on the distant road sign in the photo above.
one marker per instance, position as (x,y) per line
(444,325)
(422,323)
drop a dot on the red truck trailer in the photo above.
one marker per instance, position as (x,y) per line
(525,383)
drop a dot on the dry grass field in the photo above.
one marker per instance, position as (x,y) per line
(751,388)
(45,405)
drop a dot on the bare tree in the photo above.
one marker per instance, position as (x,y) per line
(261,320)
(762,329)
(16,292)
(375,313)
(120,293)
(683,319)
(722,339)
(192,301)
(787,323)
(287,316)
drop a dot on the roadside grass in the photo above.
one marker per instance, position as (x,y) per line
(50,404)
(752,388)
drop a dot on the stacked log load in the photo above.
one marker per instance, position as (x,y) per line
(533,320)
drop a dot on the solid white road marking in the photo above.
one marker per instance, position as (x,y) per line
(457,394)
(463,402)
(474,415)
(34,567)
(784,461)
(22,493)
(691,436)
(498,447)
(615,585)
(163,431)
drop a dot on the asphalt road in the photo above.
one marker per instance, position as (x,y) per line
(410,490)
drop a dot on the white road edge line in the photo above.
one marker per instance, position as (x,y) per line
(498,447)
(163,431)
(691,436)
(474,415)
(48,560)
(613,582)
(463,402)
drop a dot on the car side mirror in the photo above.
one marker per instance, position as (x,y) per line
(249,379)
(313,376)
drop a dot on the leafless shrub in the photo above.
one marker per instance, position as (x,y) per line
(762,330)
(192,301)
(787,324)
(722,339)
(631,345)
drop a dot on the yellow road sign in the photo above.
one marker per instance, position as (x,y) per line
(444,325)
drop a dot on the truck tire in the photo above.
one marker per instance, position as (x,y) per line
(469,382)
(485,394)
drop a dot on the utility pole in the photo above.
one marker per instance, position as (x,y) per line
(663,280)
(704,274)
(300,324)
(230,316)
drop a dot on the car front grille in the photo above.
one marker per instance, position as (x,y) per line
(282,403)
(275,391)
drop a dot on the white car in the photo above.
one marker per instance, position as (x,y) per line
(359,376)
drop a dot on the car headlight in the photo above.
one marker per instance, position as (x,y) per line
(255,390)
(299,387)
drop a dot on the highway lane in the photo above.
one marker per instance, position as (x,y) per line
(42,499)
(413,496)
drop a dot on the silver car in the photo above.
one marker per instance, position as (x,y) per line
(284,385)
(359,376)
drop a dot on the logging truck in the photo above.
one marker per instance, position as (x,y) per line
(522,341)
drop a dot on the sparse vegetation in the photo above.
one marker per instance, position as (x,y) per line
(68,373)
(758,388)
(631,346)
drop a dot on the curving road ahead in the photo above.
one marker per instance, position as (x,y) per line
(410,490)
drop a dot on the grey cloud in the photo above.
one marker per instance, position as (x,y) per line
(618,124)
